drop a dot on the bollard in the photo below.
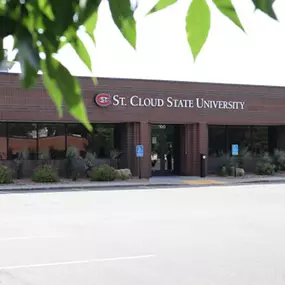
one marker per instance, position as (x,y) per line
(203,158)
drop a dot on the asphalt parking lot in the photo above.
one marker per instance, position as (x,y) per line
(194,235)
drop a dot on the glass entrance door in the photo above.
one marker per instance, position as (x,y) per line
(162,159)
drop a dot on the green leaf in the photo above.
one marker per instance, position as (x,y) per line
(198,22)
(2,5)
(88,16)
(90,24)
(227,8)
(46,8)
(49,42)
(70,91)
(28,74)
(123,17)
(68,37)
(82,52)
(162,4)
(28,56)
(51,85)
(27,17)
(265,6)
(1,50)
(27,50)
(7,26)
(63,11)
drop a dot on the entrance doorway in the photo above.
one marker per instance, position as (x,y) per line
(165,150)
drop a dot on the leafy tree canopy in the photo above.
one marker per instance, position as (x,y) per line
(41,27)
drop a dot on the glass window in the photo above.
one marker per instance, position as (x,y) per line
(80,137)
(103,139)
(272,139)
(3,141)
(217,140)
(119,130)
(51,141)
(22,138)
(240,135)
(260,140)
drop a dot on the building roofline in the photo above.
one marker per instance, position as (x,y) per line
(158,81)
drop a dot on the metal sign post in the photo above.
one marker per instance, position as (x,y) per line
(235,151)
(139,155)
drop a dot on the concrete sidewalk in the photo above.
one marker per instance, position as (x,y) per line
(172,181)
(215,180)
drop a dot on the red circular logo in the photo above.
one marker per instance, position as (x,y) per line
(103,100)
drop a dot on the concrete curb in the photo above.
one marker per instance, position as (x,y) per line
(261,181)
(58,188)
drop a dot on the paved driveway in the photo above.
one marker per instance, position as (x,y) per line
(200,236)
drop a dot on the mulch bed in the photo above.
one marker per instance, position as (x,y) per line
(65,181)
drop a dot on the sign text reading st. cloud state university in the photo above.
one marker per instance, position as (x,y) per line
(105,100)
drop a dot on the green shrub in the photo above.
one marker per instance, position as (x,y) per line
(72,154)
(265,168)
(222,165)
(22,157)
(5,175)
(244,154)
(123,174)
(265,165)
(45,174)
(114,153)
(266,158)
(45,155)
(239,171)
(223,171)
(279,160)
(227,163)
(89,163)
(103,173)
(90,159)
(72,151)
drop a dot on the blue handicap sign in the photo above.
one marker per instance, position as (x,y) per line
(234,149)
(139,150)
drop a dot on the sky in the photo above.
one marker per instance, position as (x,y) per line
(229,55)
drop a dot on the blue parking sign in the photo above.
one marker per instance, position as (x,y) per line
(234,149)
(139,150)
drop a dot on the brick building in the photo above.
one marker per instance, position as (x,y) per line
(174,121)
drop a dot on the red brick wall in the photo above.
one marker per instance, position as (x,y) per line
(264,106)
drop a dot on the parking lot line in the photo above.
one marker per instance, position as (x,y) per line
(74,262)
